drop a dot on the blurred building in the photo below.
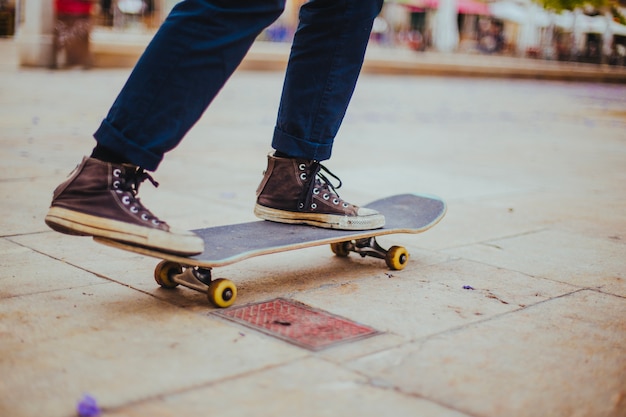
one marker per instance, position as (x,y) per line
(513,27)
(134,15)
(7,18)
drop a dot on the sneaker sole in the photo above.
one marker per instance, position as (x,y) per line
(79,224)
(326,221)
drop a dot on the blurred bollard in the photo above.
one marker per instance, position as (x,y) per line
(34,34)
(446,32)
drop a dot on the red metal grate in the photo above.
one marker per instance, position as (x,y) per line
(297,323)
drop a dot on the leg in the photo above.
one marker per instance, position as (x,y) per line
(191,57)
(194,52)
(324,65)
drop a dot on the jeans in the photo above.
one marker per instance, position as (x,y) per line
(200,45)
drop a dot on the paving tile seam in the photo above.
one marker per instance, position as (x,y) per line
(488,242)
(96,274)
(8,237)
(199,386)
(499,316)
(465,327)
(540,277)
(380,383)
(30,294)
(599,291)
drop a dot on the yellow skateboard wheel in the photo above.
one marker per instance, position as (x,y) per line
(164,271)
(339,249)
(397,257)
(222,292)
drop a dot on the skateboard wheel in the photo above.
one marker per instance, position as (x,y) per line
(222,292)
(397,257)
(164,271)
(340,249)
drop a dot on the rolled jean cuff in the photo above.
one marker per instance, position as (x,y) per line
(300,148)
(109,137)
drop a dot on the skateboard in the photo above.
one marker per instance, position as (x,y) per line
(225,245)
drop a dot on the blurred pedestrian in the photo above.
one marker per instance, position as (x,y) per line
(192,55)
(71,32)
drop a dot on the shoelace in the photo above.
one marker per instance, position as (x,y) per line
(316,176)
(130,183)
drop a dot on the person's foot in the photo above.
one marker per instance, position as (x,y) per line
(100,199)
(297,191)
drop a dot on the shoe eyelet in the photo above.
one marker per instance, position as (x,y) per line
(134,210)
(126,200)
(301,205)
(335,201)
(303,176)
(117,172)
(316,191)
(144,217)
(326,197)
(313,206)
(116,185)
(155,222)
(345,205)
(302,167)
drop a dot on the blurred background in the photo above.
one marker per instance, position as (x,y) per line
(57,33)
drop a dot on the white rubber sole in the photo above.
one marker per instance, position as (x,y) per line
(326,221)
(74,223)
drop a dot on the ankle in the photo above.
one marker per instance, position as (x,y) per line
(105,154)
(279,154)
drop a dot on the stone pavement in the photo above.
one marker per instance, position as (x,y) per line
(533,173)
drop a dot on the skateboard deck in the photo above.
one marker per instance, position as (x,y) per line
(224,245)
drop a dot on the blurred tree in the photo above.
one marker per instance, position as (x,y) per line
(601,6)
(608,8)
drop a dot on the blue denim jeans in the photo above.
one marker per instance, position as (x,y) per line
(200,45)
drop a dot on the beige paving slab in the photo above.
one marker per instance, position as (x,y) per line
(421,301)
(24,271)
(560,256)
(308,387)
(81,252)
(563,357)
(74,311)
(121,346)
(490,218)
(25,204)
(504,215)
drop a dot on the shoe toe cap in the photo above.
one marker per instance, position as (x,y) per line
(362,211)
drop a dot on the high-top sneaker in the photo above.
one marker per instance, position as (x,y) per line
(297,191)
(100,199)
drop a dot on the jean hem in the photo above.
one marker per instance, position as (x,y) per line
(300,148)
(109,137)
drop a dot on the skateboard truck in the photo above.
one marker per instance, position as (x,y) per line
(202,274)
(221,292)
(395,257)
